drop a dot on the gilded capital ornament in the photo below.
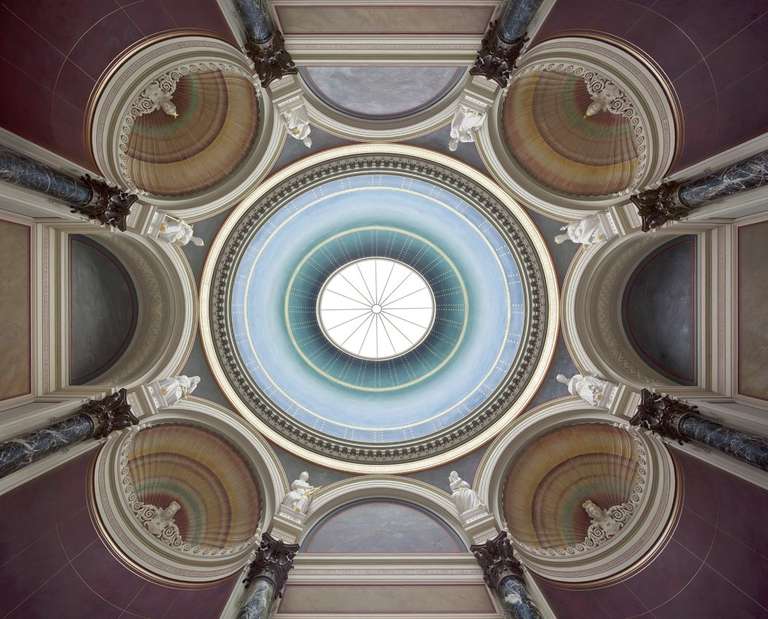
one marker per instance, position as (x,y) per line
(497,560)
(273,561)
(108,205)
(662,415)
(658,206)
(271,60)
(110,413)
(496,59)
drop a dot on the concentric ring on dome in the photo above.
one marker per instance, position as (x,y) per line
(441,336)
(483,381)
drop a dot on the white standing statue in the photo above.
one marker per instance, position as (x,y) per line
(168,391)
(464,126)
(594,391)
(298,499)
(297,123)
(462,494)
(587,231)
(177,232)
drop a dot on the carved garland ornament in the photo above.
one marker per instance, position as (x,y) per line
(597,536)
(157,94)
(606,96)
(485,415)
(155,522)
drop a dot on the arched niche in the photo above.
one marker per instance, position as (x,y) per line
(583,123)
(536,476)
(185,495)
(181,119)
(165,313)
(334,101)
(599,304)
(386,545)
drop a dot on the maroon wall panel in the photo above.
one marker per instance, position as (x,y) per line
(53,52)
(54,564)
(715,53)
(715,565)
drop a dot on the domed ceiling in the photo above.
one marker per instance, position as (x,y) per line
(378,309)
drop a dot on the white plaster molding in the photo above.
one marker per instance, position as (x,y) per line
(487,184)
(642,84)
(126,534)
(640,539)
(167,294)
(113,116)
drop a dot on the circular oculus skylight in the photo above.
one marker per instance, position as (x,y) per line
(376,308)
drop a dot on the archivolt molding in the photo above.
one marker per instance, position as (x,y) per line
(445,451)
(167,321)
(635,88)
(122,526)
(142,81)
(375,130)
(592,318)
(643,535)
(334,496)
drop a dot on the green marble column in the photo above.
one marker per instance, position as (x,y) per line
(95,419)
(682,422)
(672,200)
(504,576)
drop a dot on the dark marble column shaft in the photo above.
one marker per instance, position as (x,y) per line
(515,18)
(682,422)
(503,574)
(266,577)
(254,16)
(30,174)
(261,597)
(742,176)
(675,200)
(94,419)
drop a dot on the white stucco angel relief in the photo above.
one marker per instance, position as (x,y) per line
(587,231)
(168,391)
(300,495)
(178,232)
(464,126)
(297,123)
(464,497)
(594,391)
(606,523)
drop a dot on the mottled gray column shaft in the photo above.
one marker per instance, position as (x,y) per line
(261,596)
(515,18)
(515,601)
(254,16)
(30,174)
(742,176)
(19,452)
(746,447)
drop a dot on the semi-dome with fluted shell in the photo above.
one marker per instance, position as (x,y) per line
(205,474)
(216,121)
(549,481)
(553,137)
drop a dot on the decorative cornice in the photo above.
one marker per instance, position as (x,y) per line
(496,59)
(271,60)
(109,414)
(497,560)
(662,415)
(273,560)
(440,442)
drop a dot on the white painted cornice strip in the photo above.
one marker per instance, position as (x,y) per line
(43,155)
(727,157)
